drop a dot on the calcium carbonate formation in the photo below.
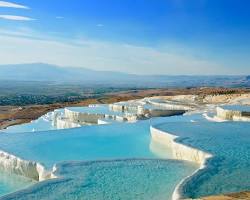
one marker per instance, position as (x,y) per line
(180,152)
(129,111)
(234,112)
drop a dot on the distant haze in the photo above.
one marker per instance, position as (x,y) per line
(52,73)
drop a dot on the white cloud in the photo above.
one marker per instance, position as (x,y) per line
(12,5)
(104,56)
(16,18)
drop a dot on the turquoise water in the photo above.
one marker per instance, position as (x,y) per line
(157,178)
(11,182)
(121,140)
(85,143)
(111,180)
(141,175)
(93,143)
(229,142)
(237,107)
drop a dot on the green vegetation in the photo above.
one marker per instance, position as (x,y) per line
(20,93)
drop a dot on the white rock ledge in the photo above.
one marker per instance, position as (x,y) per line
(64,123)
(29,169)
(181,152)
(235,115)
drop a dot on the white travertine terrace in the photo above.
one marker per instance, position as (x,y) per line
(103,121)
(138,108)
(164,112)
(213,119)
(148,108)
(82,117)
(70,119)
(171,105)
(29,169)
(130,111)
(126,106)
(63,123)
(180,152)
(235,115)
(92,118)
(241,118)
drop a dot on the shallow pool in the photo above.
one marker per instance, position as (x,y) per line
(111,180)
(141,176)
(229,142)
(11,182)
(120,140)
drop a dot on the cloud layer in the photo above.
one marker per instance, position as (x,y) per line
(12,5)
(16,18)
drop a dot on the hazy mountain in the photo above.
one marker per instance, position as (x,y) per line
(46,72)
(53,73)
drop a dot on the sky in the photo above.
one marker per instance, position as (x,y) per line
(172,37)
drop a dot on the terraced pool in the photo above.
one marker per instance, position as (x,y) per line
(122,161)
(112,180)
(229,143)
(102,142)
(84,143)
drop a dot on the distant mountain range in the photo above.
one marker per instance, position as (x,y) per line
(52,73)
(47,72)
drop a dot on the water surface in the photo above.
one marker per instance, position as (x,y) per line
(11,182)
(111,180)
(229,142)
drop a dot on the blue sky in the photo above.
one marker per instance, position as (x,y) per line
(135,36)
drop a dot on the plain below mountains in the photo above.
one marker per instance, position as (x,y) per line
(51,73)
